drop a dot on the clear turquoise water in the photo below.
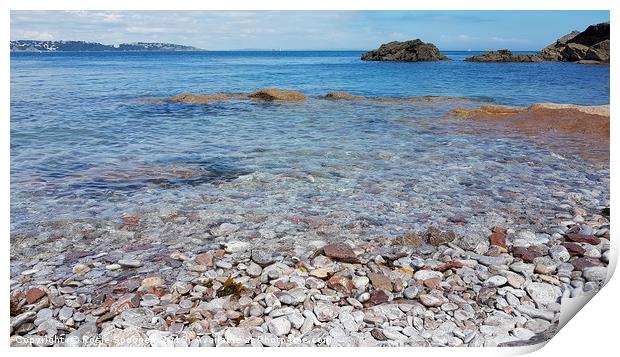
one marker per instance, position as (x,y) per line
(85,145)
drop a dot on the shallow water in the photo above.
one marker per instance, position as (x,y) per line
(84,145)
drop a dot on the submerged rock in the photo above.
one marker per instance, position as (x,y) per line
(407,51)
(343,95)
(277,94)
(191,98)
(340,251)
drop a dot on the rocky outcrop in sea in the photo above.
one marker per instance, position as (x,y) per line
(588,47)
(503,56)
(407,51)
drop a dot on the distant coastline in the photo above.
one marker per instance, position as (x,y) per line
(87,46)
(83,46)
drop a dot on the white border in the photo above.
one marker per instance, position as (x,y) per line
(593,331)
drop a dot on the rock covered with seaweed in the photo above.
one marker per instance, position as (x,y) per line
(503,56)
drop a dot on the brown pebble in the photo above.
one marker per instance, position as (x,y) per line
(33,295)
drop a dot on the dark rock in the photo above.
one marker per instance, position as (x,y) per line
(449,265)
(574,248)
(503,56)
(377,297)
(528,254)
(582,238)
(407,51)
(584,262)
(592,35)
(589,46)
(340,251)
(378,334)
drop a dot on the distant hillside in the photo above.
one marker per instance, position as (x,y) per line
(59,46)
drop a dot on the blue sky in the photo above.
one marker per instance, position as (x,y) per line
(225,30)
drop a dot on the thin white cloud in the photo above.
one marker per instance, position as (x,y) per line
(146,30)
(36,35)
(517,41)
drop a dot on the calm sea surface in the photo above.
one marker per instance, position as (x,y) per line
(86,145)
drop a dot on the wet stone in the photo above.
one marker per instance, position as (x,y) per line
(437,237)
(263,257)
(498,239)
(65,313)
(113,267)
(79,316)
(80,269)
(152,282)
(181,287)
(340,251)
(130,263)
(225,229)
(43,315)
(33,295)
(149,300)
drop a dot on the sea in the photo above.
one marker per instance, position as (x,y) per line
(90,144)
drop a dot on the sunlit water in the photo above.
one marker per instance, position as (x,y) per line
(86,146)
